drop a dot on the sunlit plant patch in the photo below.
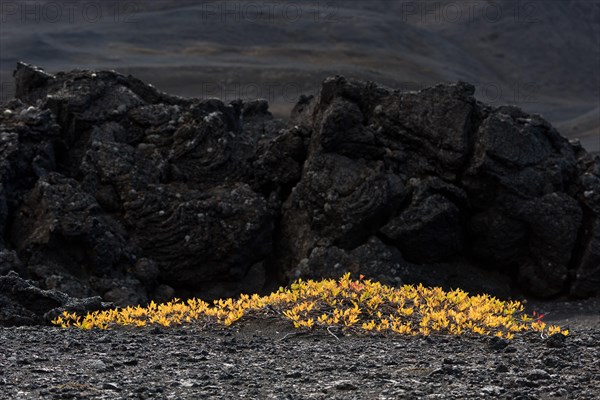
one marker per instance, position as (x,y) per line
(358,306)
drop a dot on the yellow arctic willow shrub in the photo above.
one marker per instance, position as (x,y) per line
(354,305)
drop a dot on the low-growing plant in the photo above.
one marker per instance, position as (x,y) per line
(359,306)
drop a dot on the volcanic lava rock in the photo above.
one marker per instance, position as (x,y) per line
(457,183)
(430,228)
(110,187)
(23,303)
(99,170)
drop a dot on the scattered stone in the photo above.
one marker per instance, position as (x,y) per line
(110,386)
(502,368)
(538,374)
(344,385)
(492,390)
(497,343)
(95,364)
(556,341)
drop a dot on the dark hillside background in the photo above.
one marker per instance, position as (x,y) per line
(543,55)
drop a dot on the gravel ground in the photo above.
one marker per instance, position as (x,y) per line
(267,359)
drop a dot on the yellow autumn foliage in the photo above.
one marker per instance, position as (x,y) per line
(357,306)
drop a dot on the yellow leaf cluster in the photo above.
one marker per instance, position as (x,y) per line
(357,306)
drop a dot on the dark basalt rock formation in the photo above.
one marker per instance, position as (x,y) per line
(441,179)
(23,303)
(110,187)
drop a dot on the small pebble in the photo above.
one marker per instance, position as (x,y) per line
(345,385)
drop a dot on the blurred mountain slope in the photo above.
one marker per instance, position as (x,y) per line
(541,55)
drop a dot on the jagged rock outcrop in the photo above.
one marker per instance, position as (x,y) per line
(110,187)
(445,180)
(23,303)
(100,171)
